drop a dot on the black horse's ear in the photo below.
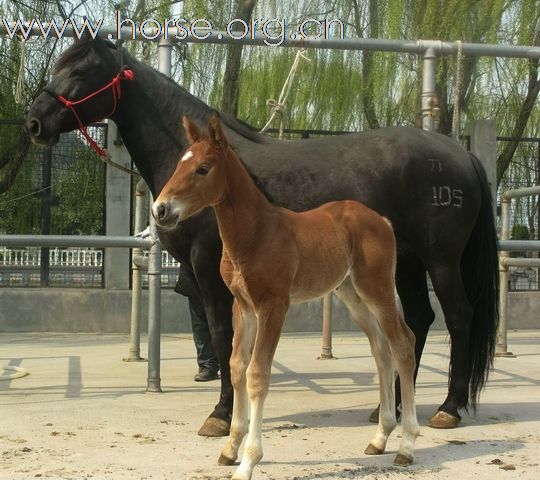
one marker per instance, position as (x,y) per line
(193,133)
(215,132)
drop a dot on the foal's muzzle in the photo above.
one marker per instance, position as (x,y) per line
(164,215)
(160,211)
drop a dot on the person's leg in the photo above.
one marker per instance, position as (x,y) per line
(206,356)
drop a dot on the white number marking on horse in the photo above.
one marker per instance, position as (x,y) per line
(445,196)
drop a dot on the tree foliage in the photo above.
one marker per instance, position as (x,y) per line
(350,90)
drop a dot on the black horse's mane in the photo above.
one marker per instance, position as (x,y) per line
(77,52)
(242,128)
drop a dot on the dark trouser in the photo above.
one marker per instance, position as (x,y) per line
(206,356)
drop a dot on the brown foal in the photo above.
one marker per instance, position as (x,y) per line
(273,257)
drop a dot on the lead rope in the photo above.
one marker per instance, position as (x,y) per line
(116,90)
(20,77)
(107,159)
(458,80)
(278,106)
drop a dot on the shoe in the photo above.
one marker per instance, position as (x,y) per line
(205,375)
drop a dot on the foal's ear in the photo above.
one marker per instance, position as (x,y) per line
(193,133)
(217,137)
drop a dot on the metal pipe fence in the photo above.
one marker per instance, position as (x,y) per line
(505,262)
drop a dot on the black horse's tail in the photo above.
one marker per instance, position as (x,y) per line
(480,272)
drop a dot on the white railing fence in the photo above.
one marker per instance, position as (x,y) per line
(64,257)
(69,267)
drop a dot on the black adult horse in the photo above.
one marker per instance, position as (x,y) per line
(434,192)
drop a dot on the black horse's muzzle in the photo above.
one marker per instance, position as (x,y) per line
(33,127)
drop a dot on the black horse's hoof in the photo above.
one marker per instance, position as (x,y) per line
(444,420)
(215,427)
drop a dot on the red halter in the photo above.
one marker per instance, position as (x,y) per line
(115,86)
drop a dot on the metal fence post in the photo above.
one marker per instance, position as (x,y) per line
(502,341)
(141,191)
(154,312)
(326,353)
(46,199)
(428,88)
(154,266)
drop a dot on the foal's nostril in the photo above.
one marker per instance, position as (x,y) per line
(160,211)
(33,127)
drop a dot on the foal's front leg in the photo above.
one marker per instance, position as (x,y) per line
(245,328)
(270,317)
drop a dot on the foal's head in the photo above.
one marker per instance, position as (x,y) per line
(199,179)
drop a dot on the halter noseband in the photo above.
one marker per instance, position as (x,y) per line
(114,85)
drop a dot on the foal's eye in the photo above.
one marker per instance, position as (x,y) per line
(202,170)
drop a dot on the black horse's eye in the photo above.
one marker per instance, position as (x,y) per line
(202,170)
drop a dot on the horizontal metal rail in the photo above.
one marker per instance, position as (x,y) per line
(519,245)
(520,192)
(97,241)
(520,262)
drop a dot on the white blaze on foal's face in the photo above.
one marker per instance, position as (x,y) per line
(187,156)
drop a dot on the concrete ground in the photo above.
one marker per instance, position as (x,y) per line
(83,413)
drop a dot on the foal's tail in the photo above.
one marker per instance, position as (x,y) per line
(480,272)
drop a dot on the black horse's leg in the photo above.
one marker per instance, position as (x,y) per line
(411,284)
(217,302)
(458,313)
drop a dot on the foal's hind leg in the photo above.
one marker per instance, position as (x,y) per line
(411,284)
(379,298)
(380,349)
(245,328)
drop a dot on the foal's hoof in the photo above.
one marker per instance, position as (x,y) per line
(223,460)
(373,450)
(402,460)
(443,420)
(214,427)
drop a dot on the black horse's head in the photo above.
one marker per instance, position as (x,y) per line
(83,68)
